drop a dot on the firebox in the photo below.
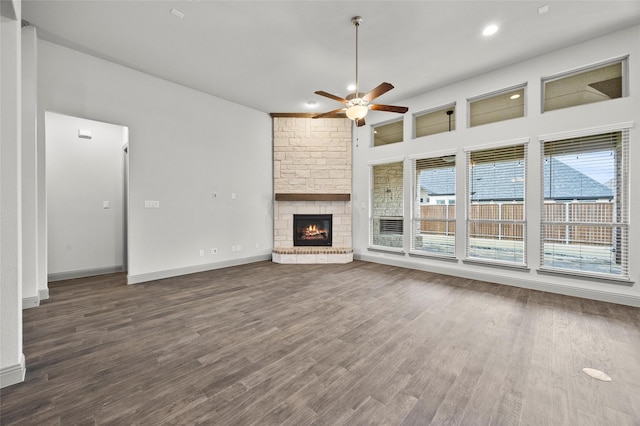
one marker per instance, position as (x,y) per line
(312,229)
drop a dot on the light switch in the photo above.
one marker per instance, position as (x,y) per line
(105,205)
(233,195)
(151,204)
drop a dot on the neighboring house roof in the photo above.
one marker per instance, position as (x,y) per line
(567,183)
(439,181)
(504,181)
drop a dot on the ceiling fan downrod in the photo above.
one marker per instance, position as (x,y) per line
(357,20)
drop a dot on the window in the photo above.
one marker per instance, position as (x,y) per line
(585,210)
(435,121)
(503,105)
(433,227)
(496,188)
(594,84)
(387,202)
(385,134)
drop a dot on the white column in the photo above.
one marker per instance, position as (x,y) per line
(30,294)
(12,367)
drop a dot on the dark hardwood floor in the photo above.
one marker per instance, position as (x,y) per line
(360,343)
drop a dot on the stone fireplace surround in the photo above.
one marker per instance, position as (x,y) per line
(312,175)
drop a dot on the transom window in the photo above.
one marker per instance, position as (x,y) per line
(385,134)
(503,105)
(594,84)
(435,121)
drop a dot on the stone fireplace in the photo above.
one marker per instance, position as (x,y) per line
(312,177)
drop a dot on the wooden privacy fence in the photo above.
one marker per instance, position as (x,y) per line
(441,219)
(580,222)
(586,217)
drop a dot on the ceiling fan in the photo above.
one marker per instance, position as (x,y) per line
(358,104)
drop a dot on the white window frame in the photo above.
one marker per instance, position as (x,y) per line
(623,60)
(415,220)
(469,221)
(497,93)
(386,123)
(623,192)
(444,108)
(373,217)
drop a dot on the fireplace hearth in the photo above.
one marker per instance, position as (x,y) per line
(312,230)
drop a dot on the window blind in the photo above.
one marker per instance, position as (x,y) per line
(433,205)
(585,214)
(496,207)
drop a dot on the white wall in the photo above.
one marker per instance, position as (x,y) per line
(12,366)
(184,146)
(625,42)
(30,292)
(84,238)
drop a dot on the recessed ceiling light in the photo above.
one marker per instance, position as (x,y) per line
(351,87)
(176,12)
(516,96)
(490,30)
(312,104)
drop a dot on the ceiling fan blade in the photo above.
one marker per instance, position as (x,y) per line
(390,108)
(380,90)
(334,113)
(330,96)
(360,122)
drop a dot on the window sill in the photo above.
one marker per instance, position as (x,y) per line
(496,264)
(395,250)
(580,274)
(445,257)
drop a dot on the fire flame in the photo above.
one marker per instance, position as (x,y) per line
(312,231)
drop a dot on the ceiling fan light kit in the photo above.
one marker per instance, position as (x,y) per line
(357,104)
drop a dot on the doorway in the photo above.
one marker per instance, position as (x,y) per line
(87,189)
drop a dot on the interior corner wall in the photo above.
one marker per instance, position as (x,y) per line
(12,364)
(204,160)
(532,126)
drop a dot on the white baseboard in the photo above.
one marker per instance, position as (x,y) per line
(13,374)
(169,273)
(457,271)
(81,273)
(30,302)
(43,294)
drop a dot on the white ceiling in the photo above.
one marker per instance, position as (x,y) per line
(273,55)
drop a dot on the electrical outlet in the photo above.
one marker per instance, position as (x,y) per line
(214,195)
(149,204)
(201,252)
(213,251)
